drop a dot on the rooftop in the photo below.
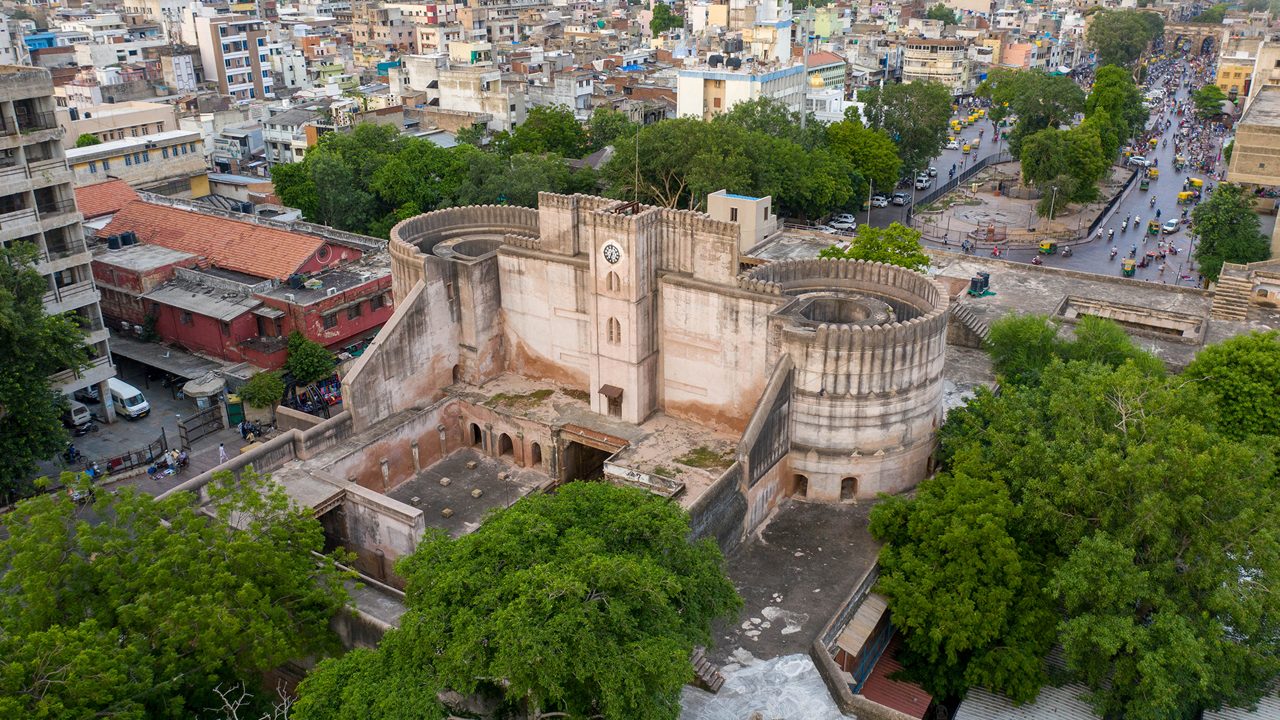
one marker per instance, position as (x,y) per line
(245,247)
(1265,108)
(368,269)
(426,492)
(141,258)
(119,147)
(206,300)
(103,198)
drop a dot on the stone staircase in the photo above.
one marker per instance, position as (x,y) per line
(1231,295)
(706,674)
(976,327)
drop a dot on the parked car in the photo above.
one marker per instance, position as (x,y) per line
(953,145)
(879,201)
(1170,227)
(823,229)
(923,182)
(933,171)
(900,198)
(88,395)
(1139,160)
(843,221)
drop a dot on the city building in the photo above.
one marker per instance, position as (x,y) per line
(941,61)
(233,53)
(1255,159)
(129,119)
(38,206)
(170,162)
(714,88)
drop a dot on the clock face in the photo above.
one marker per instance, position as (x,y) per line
(612,253)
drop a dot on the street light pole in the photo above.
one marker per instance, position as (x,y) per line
(871,192)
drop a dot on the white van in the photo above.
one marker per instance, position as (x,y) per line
(129,400)
(76,415)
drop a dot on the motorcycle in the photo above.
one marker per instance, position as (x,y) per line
(71,455)
(1113,253)
(1036,260)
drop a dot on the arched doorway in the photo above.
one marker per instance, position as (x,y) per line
(801,485)
(848,489)
(535,455)
(504,445)
(457,374)
(477,437)
(1206,46)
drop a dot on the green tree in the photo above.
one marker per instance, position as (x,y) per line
(1067,514)
(153,605)
(1229,231)
(1039,100)
(586,602)
(771,117)
(548,130)
(870,152)
(664,19)
(1023,346)
(914,114)
(1121,36)
(264,390)
(307,360)
(87,139)
(517,179)
(894,245)
(473,134)
(35,346)
(1208,101)
(1243,376)
(943,14)
(1050,155)
(1115,93)
(606,127)
(1213,15)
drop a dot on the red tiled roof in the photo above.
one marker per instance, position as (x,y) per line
(822,57)
(901,696)
(103,198)
(241,246)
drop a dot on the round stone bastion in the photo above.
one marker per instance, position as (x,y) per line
(868,341)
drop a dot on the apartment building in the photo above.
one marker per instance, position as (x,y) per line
(716,87)
(116,121)
(38,206)
(941,61)
(233,52)
(169,163)
(480,90)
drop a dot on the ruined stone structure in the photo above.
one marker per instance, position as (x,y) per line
(828,373)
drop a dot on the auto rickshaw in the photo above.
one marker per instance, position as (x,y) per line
(1153,173)
(1048,247)
(1179,162)
(976,141)
(1153,142)
(1144,184)
(966,148)
(1153,227)
(1127,267)
(1185,198)
(1196,182)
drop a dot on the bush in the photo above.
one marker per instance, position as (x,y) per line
(263,390)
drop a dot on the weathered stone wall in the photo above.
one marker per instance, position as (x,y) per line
(414,355)
(379,530)
(715,350)
(546,316)
(414,239)
(720,511)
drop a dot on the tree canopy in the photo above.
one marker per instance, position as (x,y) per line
(607,127)
(894,245)
(149,608)
(546,130)
(87,139)
(1121,36)
(1095,505)
(943,14)
(1208,101)
(1243,376)
(34,346)
(587,602)
(914,115)
(1040,101)
(264,390)
(307,360)
(1115,94)
(1051,154)
(1228,229)
(1213,15)
(664,19)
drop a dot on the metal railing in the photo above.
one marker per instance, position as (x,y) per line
(56,208)
(68,293)
(1107,209)
(952,184)
(114,464)
(31,122)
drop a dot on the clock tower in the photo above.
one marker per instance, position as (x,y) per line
(623,304)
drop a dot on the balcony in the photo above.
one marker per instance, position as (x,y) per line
(36,121)
(98,369)
(56,214)
(70,297)
(17,223)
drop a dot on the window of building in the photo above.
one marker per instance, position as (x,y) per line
(146,157)
(93,167)
(184,149)
(106,165)
(185,318)
(615,331)
(376,302)
(733,214)
(330,321)
(226,328)
(164,153)
(613,282)
(353,311)
(128,160)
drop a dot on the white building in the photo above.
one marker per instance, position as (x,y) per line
(714,88)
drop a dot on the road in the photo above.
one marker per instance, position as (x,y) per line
(1095,256)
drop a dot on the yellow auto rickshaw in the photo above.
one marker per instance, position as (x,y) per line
(1048,247)
(1153,173)
(1186,197)
(1153,142)
(1196,182)
(967,147)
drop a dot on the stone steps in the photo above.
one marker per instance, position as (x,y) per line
(974,324)
(1231,298)
(706,674)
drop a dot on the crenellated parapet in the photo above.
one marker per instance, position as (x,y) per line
(414,239)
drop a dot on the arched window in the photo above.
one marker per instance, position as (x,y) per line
(848,489)
(612,282)
(535,454)
(504,444)
(615,331)
(476,436)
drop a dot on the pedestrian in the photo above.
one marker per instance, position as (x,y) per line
(222,453)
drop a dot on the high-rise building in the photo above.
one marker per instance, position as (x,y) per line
(233,51)
(38,206)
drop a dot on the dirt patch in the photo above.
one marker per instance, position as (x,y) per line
(519,401)
(706,458)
